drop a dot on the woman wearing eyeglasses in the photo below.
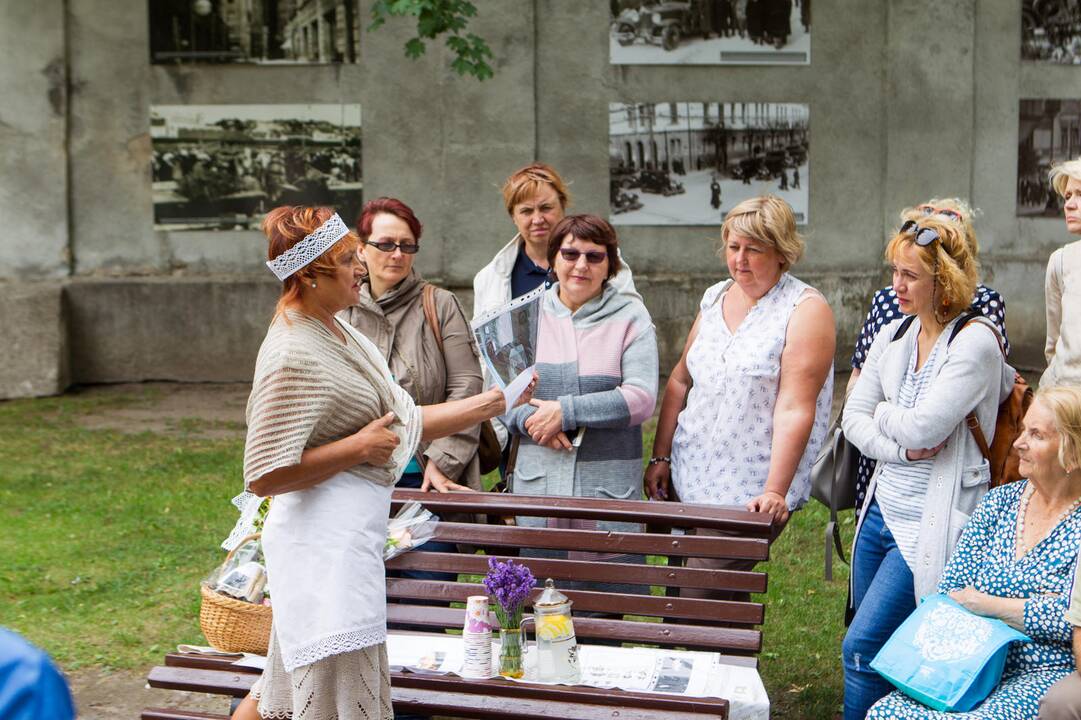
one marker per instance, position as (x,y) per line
(885,309)
(1062,287)
(597,366)
(391,314)
(921,377)
(747,406)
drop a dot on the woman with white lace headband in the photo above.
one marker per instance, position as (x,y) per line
(329,433)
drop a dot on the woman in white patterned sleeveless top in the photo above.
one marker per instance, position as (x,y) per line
(746,408)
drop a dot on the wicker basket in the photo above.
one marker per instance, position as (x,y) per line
(232,625)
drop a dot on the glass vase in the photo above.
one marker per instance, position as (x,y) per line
(510,653)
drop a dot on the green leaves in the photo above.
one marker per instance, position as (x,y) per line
(435,18)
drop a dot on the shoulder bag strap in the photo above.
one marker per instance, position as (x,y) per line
(971,420)
(428,299)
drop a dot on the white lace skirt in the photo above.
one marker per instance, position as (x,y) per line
(351,686)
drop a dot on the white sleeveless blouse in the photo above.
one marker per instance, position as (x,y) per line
(724,436)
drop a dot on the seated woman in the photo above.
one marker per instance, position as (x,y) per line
(747,407)
(885,309)
(907,412)
(581,435)
(1015,562)
(329,433)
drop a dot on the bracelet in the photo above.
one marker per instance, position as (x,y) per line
(662,459)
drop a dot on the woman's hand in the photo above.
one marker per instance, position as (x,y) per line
(914,455)
(971,599)
(544,424)
(374,442)
(434,478)
(560,442)
(772,503)
(657,479)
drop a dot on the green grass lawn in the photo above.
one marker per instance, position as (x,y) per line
(106,536)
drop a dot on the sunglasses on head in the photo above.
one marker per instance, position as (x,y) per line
(944,212)
(593,257)
(924,236)
(388,246)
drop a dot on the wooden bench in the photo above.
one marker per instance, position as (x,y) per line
(667,621)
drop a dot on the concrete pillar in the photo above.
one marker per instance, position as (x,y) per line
(35,331)
(33,130)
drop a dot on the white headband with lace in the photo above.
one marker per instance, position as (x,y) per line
(308,249)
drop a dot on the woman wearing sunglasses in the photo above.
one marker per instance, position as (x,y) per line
(885,308)
(1062,288)
(747,406)
(432,370)
(907,412)
(597,367)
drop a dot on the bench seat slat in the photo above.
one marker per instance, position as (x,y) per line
(603,541)
(215,682)
(670,514)
(666,575)
(651,633)
(616,603)
(177,714)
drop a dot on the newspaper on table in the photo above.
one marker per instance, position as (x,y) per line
(675,672)
(507,339)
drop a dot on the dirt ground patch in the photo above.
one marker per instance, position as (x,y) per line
(124,694)
(204,409)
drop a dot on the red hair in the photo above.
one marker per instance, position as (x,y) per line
(391,206)
(284,227)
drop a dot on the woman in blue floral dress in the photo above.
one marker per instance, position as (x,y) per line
(1015,561)
(884,310)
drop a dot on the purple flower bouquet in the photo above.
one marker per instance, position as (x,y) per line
(509,585)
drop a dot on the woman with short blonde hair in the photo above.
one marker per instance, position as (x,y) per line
(769,220)
(923,374)
(1062,282)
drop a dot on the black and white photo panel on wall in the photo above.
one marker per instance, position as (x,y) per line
(254,31)
(710,32)
(689,163)
(223,167)
(1051,31)
(1049,132)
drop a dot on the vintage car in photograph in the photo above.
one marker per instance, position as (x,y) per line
(661,23)
(659,182)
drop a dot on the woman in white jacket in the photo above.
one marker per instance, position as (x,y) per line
(1062,286)
(536,199)
(922,376)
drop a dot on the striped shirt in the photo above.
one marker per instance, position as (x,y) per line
(902,487)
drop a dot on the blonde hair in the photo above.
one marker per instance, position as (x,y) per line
(1060,175)
(527,182)
(1065,403)
(950,259)
(958,205)
(769,220)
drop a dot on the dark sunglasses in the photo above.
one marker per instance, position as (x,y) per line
(593,257)
(388,246)
(924,236)
(944,212)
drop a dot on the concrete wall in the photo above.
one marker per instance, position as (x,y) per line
(909,99)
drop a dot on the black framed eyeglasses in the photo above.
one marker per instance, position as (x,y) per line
(923,236)
(593,257)
(388,246)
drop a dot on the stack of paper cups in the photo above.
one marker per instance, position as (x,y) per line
(477,639)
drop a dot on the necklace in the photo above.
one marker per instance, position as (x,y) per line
(1022,510)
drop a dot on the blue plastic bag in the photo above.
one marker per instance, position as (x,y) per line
(945,656)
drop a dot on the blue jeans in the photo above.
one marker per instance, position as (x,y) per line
(882,593)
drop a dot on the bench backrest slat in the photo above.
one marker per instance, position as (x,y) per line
(663,575)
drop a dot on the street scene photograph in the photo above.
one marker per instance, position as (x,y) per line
(222,167)
(683,163)
(710,32)
(1051,31)
(1049,132)
(266,32)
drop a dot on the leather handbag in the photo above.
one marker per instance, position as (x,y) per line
(833,483)
(489,453)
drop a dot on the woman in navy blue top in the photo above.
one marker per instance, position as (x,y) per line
(884,310)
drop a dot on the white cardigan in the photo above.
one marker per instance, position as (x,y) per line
(970,374)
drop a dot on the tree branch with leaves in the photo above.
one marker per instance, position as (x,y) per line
(435,18)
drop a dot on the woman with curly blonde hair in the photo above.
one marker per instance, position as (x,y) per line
(923,375)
